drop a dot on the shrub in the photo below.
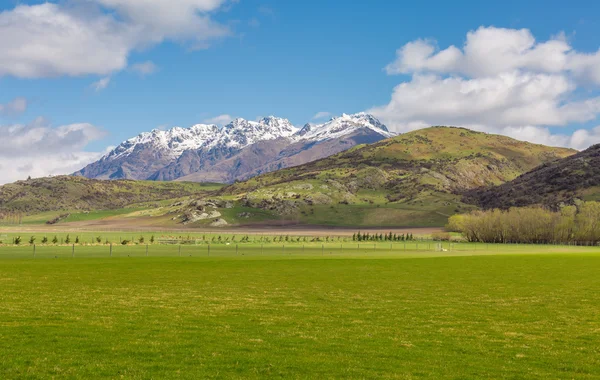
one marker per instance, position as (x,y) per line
(32,240)
(18,240)
(441,236)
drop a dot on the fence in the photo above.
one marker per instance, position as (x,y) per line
(39,251)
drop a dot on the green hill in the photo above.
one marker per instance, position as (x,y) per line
(413,179)
(78,193)
(417,179)
(553,183)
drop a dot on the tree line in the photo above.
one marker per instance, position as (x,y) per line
(577,224)
(381,237)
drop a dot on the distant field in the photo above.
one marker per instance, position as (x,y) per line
(473,312)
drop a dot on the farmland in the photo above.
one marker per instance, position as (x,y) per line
(472,311)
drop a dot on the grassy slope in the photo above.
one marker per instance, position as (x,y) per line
(527,317)
(67,193)
(411,180)
(577,176)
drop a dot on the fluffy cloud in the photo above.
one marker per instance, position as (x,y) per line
(48,39)
(220,120)
(15,107)
(492,51)
(38,149)
(500,81)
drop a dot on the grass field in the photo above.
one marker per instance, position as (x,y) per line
(531,313)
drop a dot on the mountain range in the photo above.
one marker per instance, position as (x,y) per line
(418,178)
(238,151)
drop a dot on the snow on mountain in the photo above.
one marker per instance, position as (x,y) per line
(342,126)
(237,134)
(241,133)
(264,145)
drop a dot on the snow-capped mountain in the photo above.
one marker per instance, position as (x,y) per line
(191,153)
(341,126)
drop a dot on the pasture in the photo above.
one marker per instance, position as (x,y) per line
(515,312)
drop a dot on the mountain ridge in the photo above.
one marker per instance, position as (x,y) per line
(187,153)
(551,184)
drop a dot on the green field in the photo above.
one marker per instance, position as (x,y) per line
(317,313)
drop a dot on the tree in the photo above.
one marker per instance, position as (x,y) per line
(18,240)
(32,240)
(55,240)
(68,240)
(152,239)
(44,240)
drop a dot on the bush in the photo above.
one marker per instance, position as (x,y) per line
(18,240)
(441,236)
(125,242)
(45,240)
(55,240)
(32,240)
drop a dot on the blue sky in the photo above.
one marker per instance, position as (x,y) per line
(291,59)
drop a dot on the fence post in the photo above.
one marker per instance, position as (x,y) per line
(261,248)
(236,249)
(209,249)
(110,249)
(322,249)
(146,250)
(73,253)
(34,251)
(179,250)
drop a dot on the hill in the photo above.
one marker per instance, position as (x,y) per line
(553,183)
(78,193)
(413,179)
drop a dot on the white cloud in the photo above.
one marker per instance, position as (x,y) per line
(501,81)
(144,68)
(49,39)
(220,120)
(15,107)
(321,115)
(491,51)
(38,149)
(101,84)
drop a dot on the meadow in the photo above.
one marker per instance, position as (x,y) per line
(313,312)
